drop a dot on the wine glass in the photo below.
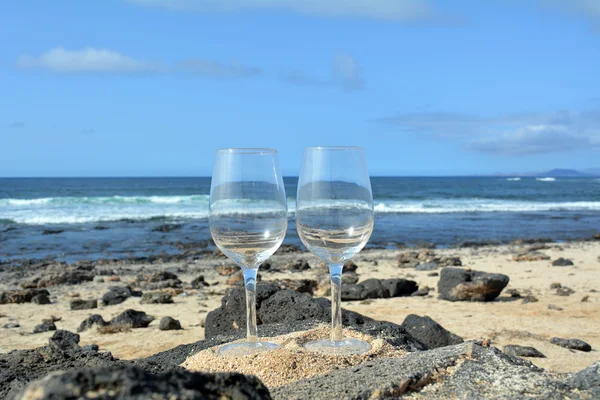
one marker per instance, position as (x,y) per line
(334,218)
(248,221)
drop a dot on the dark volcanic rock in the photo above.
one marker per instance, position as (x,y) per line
(166,228)
(575,344)
(587,379)
(21,296)
(564,291)
(79,304)
(378,289)
(64,340)
(199,283)
(428,266)
(349,266)
(284,311)
(463,371)
(11,325)
(169,324)
(461,285)
(90,321)
(46,326)
(429,332)
(530,256)
(297,266)
(130,382)
(156,298)
(132,318)
(562,262)
(52,231)
(64,275)
(118,294)
(522,351)
(288,248)
(299,285)
(41,298)
(159,280)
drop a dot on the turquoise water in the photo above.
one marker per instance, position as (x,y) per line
(114,217)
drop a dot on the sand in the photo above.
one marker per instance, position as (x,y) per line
(505,321)
(292,362)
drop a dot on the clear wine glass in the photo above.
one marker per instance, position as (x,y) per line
(248,221)
(334,218)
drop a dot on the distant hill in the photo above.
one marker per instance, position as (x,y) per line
(558,173)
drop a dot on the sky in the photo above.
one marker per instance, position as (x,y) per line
(428,87)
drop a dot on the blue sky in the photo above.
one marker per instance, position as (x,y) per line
(153,87)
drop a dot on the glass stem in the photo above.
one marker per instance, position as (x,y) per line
(250,285)
(335,272)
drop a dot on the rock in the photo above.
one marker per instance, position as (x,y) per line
(90,321)
(156,298)
(429,332)
(64,340)
(433,274)
(90,348)
(284,311)
(428,266)
(118,294)
(132,382)
(11,325)
(288,248)
(514,293)
(530,299)
(166,228)
(537,247)
(421,292)
(41,298)
(575,344)
(79,304)
(159,280)
(564,291)
(562,262)
(522,351)
(133,319)
(236,279)
(297,266)
(470,371)
(349,266)
(46,326)
(52,231)
(169,324)
(399,287)
(555,285)
(555,308)
(531,256)
(587,379)
(226,270)
(21,296)
(64,275)
(450,262)
(461,285)
(199,283)
(585,299)
(299,285)
(348,278)
(373,289)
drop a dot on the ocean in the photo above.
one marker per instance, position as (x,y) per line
(91,218)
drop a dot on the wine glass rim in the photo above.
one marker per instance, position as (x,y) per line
(247,150)
(335,148)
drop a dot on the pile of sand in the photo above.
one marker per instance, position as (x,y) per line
(292,362)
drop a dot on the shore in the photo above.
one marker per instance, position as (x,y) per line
(509,319)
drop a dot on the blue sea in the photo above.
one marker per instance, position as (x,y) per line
(91,218)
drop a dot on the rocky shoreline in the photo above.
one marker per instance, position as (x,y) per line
(475,314)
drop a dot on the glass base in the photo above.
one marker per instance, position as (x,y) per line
(345,347)
(245,348)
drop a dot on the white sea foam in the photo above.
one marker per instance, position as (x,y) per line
(549,179)
(72,210)
(513,179)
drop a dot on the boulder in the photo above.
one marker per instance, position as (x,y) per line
(132,319)
(79,304)
(400,287)
(530,256)
(21,296)
(429,332)
(156,298)
(64,340)
(41,298)
(199,283)
(46,326)
(118,294)
(574,344)
(562,262)
(169,324)
(132,382)
(461,285)
(378,289)
(522,351)
(349,266)
(90,321)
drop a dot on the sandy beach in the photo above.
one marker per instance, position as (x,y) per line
(506,320)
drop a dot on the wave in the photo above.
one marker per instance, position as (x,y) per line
(513,179)
(106,200)
(545,179)
(482,206)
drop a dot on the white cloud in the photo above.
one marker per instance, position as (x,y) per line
(86,60)
(517,134)
(348,71)
(213,69)
(392,10)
